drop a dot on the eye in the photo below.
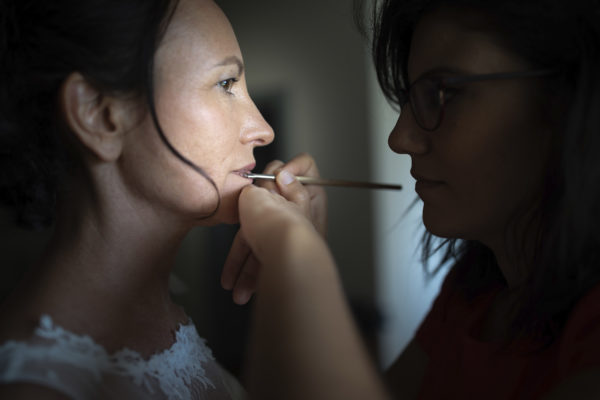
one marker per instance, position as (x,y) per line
(227,84)
(449,93)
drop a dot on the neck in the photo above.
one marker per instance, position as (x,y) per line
(514,270)
(514,254)
(112,254)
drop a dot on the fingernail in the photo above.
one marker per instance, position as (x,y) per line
(286,177)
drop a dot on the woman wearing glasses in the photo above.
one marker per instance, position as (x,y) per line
(500,119)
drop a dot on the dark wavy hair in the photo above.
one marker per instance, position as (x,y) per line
(110,42)
(566,256)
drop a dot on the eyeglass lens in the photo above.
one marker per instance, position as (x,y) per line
(426,103)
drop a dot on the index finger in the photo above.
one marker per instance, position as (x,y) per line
(302,165)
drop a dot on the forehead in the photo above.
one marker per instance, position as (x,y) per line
(198,29)
(456,39)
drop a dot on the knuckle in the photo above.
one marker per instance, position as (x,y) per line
(302,197)
(273,166)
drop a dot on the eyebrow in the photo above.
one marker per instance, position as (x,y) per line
(231,60)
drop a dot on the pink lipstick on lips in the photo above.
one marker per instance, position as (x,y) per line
(244,171)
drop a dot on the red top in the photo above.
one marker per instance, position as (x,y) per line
(463,367)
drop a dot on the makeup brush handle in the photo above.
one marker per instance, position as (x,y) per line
(306,180)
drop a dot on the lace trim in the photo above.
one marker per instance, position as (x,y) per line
(176,369)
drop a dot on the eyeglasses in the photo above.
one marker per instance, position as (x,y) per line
(428,95)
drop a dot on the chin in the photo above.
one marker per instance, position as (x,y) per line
(442,226)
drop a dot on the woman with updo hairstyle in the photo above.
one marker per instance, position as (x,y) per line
(500,115)
(123,124)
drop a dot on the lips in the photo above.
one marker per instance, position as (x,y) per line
(425,186)
(245,170)
(421,178)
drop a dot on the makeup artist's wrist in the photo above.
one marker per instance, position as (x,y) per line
(298,259)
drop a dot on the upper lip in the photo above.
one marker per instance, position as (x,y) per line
(247,169)
(420,177)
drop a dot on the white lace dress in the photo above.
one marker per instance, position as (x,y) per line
(82,369)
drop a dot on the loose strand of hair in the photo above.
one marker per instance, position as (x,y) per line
(172,149)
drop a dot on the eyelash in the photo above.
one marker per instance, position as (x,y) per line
(227,84)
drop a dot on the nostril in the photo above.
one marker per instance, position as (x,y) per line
(269,135)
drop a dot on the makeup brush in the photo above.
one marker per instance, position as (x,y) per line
(305,180)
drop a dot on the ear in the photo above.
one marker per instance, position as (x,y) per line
(96,120)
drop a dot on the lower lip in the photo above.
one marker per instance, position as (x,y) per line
(241,174)
(426,186)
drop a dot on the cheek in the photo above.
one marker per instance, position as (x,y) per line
(187,123)
(492,173)
(203,133)
(156,177)
(214,147)
(202,126)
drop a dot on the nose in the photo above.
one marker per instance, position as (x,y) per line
(407,137)
(255,129)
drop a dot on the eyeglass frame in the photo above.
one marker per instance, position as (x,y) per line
(444,82)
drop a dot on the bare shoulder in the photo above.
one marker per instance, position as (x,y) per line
(405,375)
(583,385)
(29,391)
